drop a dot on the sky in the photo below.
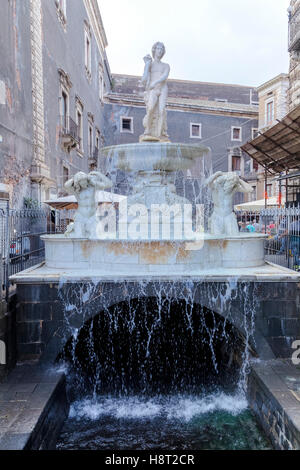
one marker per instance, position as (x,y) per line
(225,41)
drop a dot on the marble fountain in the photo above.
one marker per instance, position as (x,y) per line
(152,232)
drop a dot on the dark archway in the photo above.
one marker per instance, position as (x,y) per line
(154,346)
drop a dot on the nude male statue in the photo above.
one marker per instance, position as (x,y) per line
(155,81)
(224,186)
(84,187)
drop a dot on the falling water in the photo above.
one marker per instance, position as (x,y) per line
(161,368)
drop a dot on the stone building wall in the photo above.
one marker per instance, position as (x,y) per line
(216,107)
(16,128)
(294,50)
(64,60)
(40,45)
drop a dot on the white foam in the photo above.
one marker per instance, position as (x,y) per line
(172,407)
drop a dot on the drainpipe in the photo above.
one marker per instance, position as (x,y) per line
(280,191)
(266,198)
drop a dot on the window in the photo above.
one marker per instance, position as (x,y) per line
(101,83)
(236,163)
(64,111)
(65,86)
(254,132)
(61,6)
(127,124)
(90,140)
(65,174)
(87,50)
(269,112)
(253,194)
(79,122)
(269,190)
(97,140)
(236,133)
(80,128)
(195,130)
(254,165)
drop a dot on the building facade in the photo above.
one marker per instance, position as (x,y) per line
(59,103)
(219,116)
(273,106)
(294,50)
(52,84)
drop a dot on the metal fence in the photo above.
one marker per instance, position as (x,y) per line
(21,246)
(282,225)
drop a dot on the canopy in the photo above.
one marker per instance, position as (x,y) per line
(278,148)
(69,202)
(258,205)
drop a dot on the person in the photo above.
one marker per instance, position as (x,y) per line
(250,227)
(243,227)
(293,233)
(256,225)
(84,187)
(224,185)
(155,81)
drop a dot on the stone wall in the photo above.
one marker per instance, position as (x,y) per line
(273,393)
(44,324)
(8,335)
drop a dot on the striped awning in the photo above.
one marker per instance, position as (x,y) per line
(278,148)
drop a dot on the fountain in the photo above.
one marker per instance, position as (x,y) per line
(156,279)
(154,234)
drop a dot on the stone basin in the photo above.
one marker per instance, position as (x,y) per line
(154,256)
(152,156)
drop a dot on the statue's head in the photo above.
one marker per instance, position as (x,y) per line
(161,47)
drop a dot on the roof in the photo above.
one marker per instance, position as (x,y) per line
(273,81)
(258,204)
(207,91)
(194,105)
(278,148)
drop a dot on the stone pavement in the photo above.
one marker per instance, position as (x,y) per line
(33,407)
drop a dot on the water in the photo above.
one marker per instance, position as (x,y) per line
(179,422)
(159,372)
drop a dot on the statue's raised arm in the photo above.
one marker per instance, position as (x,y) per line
(223,187)
(84,187)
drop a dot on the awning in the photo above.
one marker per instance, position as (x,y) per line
(69,202)
(278,149)
(258,205)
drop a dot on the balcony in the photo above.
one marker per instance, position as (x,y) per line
(93,158)
(68,133)
(294,32)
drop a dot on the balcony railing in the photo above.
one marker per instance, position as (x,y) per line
(69,132)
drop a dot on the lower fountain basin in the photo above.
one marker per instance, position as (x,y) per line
(154,256)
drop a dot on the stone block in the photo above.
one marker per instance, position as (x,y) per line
(34,312)
(280,309)
(274,327)
(29,332)
(30,350)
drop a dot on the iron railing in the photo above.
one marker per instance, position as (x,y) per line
(21,246)
(282,225)
(69,127)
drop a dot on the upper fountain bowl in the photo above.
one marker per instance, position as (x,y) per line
(152,156)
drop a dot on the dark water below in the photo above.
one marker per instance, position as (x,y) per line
(183,422)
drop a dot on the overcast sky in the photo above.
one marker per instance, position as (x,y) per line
(230,41)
